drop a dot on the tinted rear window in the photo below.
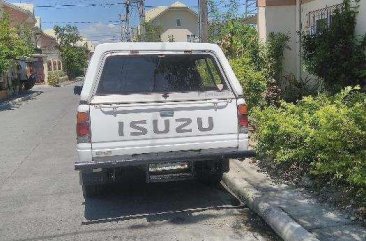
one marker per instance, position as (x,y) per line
(160,73)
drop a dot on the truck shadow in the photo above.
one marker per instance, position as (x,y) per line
(177,202)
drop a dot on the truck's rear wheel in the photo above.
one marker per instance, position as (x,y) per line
(211,172)
(211,178)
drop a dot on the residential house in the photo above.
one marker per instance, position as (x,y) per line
(18,17)
(48,57)
(178,22)
(293,16)
(50,54)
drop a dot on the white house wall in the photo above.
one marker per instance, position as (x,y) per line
(361,18)
(281,19)
(167,21)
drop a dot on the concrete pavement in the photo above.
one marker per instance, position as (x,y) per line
(292,213)
(41,199)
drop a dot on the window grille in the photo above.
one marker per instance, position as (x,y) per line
(321,18)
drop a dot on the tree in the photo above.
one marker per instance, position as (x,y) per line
(335,53)
(151,33)
(237,40)
(15,43)
(74,57)
(68,35)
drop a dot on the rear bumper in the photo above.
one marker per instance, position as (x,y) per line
(143,159)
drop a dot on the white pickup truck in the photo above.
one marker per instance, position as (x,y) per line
(173,110)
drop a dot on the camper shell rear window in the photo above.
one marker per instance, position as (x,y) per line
(160,73)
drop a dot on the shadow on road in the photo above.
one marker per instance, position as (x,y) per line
(172,201)
(9,104)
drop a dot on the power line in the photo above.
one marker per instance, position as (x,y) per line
(80,22)
(79,5)
(250,8)
(92,5)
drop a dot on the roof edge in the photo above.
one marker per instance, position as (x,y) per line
(17,8)
(170,8)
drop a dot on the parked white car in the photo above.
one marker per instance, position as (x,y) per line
(174,110)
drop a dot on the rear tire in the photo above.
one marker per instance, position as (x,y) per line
(212,179)
(211,172)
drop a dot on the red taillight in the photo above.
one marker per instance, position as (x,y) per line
(243,120)
(83,127)
(243,115)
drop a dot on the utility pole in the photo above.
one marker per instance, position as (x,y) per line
(141,10)
(203,21)
(126,29)
(122,27)
(127,21)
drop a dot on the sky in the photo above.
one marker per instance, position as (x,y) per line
(102,21)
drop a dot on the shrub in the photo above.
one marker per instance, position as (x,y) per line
(54,77)
(326,133)
(254,82)
(335,53)
(272,54)
(237,39)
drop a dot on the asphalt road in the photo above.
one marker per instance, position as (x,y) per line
(41,199)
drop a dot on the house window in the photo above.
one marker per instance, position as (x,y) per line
(321,19)
(171,38)
(49,65)
(178,22)
(59,65)
(191,38)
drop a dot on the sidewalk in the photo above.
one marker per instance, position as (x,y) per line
(293,214)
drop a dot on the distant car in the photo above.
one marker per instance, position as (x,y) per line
(175,110)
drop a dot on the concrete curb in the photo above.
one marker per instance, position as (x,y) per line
(16,101)
(279,220)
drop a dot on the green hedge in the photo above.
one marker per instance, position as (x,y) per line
(254,82)
(326,133)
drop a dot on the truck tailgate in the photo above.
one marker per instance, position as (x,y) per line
(163,127)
